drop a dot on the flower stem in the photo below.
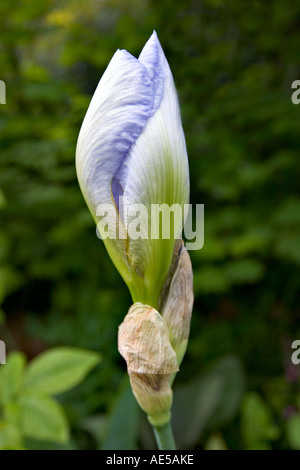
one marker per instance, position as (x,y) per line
(164,437)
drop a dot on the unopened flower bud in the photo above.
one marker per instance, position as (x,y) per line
(177,298)
(151,361)
(131,145)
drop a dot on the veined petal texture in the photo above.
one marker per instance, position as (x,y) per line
(132,144)
(118,112)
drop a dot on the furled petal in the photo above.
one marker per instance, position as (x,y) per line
(131,143)
(158,164)
(153,58)
(118,112)
(156,65)
(177,298)
(159,156)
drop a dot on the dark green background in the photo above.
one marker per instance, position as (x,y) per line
(233,64)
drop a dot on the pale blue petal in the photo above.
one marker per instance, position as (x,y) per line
(153,58)
(158,166)
(132,143)
(118,112)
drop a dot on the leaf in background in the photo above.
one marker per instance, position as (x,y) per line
(123,424)
(215,442)
(2,199)
(96,425)
(257,423)
(293,431)
(2,316)
(10,437)
(233,388)
(11,376)
(210,279)
(10,280)
(245,270)
(194,405)
(209,401)
(43,419)
(59,369)
(35,444)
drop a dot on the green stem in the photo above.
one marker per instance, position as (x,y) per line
(164,437)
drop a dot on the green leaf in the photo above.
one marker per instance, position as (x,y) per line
(194,405)
(43,419)
(122,428)
(2,316)
(10,437)
(257,423)
(2,199)
(207,402)
(244,271)
(233,387)
(210,279)
(215,442)
(293,431)
(9,281)
(59,369)
(34,444)
(97,426)
(11,376)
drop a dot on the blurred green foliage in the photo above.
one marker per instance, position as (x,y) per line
(233,65)
(27,409)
